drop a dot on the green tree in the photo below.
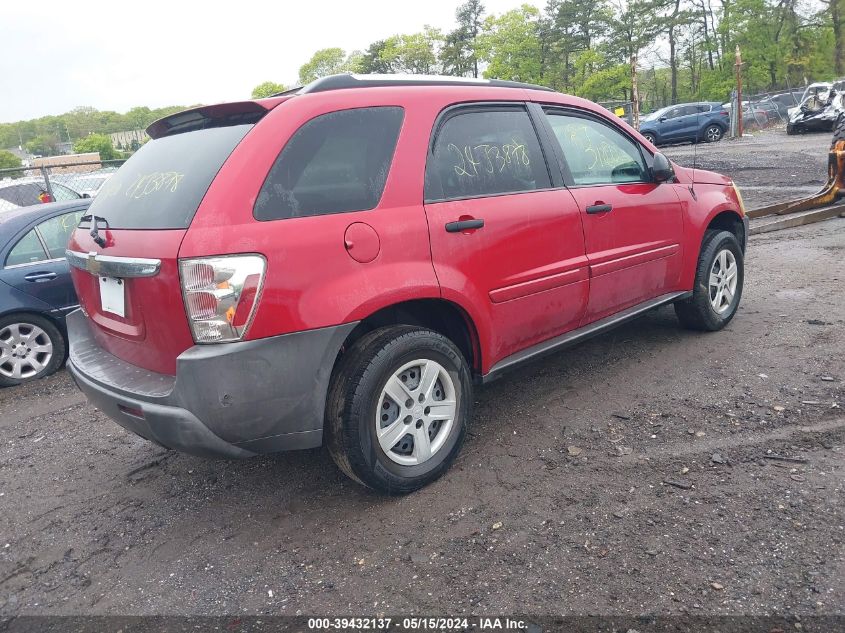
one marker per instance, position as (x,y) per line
(373,61)
(42,145)
(326,61)
(510,44)
(415,53)
(459,55)
(266,89)
(8,160)
(96,143)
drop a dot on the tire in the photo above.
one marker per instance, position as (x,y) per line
(699,312)
(838,130)
(790,130)
(650,138)
(713,133)
(392,359)
(31,347)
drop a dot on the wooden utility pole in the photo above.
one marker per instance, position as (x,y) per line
(738,113)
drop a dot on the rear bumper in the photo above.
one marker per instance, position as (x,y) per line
(229,400)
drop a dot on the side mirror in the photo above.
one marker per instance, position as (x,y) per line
(86,195)
(662,119)
(662,169)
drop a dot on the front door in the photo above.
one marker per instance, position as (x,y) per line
(501,236)
(632,225)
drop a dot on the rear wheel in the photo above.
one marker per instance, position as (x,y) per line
(713,133)
(398,408)
(719,279)
(31,347)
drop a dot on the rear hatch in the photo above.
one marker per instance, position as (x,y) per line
(126,272)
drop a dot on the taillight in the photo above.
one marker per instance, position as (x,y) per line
(221,294)
(725,113)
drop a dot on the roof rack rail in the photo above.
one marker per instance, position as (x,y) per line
(345,81)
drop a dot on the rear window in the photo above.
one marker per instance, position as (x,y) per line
(162,185)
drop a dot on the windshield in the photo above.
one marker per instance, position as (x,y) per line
(655,115)
(162,185)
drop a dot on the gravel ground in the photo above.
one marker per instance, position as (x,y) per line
(768,166)
(631,474)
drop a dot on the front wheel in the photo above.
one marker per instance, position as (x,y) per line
(31,347)
(650,138)
(719,279)
(398,408)
(713,133)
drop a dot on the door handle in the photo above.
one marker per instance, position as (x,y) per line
(599,208)
(464,225)
(40,276)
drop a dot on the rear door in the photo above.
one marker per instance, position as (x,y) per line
(502,235)
(632,225)
(36,264)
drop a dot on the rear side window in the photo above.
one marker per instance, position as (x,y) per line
(162,185)
(28,250)
(483,152)
(334,163)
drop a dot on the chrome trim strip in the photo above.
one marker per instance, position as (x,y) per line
(112,266)
(40,262)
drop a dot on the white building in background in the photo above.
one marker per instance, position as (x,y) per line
(124,140)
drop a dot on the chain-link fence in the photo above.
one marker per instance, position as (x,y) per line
(54,182)
(623,109)
(768,109)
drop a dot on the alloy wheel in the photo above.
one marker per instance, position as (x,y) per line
(25,350)
(723,280)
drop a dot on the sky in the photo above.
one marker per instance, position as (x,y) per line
(56,55)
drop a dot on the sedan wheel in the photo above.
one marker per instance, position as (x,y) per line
(30,348)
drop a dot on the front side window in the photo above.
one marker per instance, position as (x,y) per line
(335,163)
(28,250)
(596,153)
(56,232)
(484,152)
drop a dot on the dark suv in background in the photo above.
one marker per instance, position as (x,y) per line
(686,123)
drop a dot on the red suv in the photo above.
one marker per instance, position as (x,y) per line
(344,262)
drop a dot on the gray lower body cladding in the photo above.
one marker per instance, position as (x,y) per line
(227,400)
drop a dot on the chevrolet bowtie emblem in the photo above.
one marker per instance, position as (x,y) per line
(93,264)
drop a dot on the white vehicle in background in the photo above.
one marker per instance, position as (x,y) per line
(812,89)
(88,184)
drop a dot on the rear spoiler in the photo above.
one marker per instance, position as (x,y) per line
(219,115)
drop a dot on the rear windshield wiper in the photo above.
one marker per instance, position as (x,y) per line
(95,231)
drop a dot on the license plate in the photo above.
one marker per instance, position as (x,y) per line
(112,296)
